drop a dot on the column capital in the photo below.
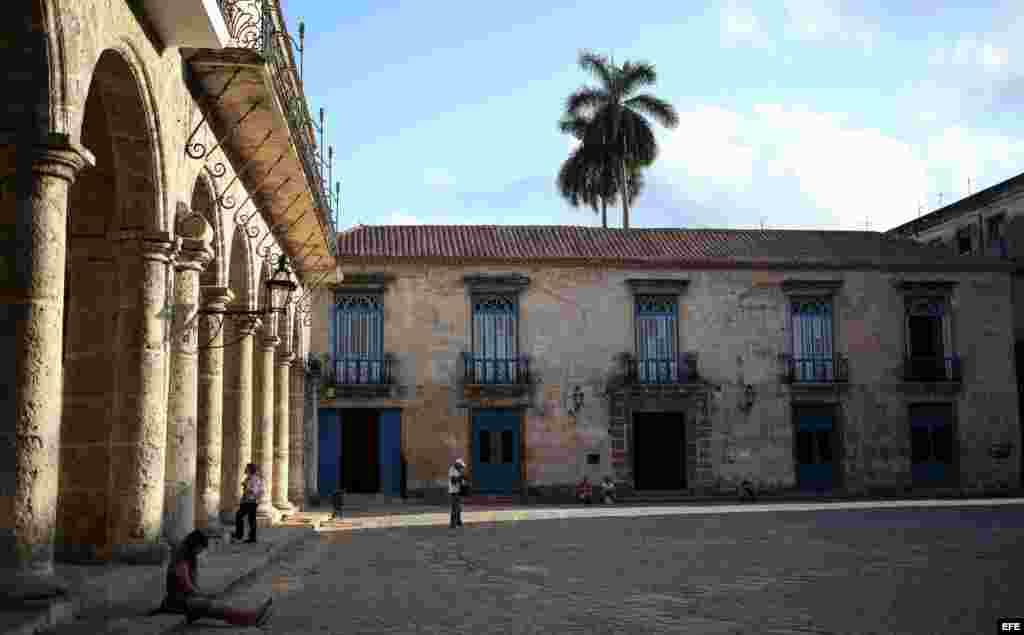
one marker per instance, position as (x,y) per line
(195,255)
(159,246)
(250,327)
(59,156)
(216,298)
(285,358)
(269,343)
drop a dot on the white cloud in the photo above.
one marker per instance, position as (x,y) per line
(803,168)
(400,217)
(739,26)
(970,52)
(826,21)
(438,177)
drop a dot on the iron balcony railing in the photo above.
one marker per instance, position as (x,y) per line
(931,368)
(834,369)
(676,369)
(496,370)
(259,25)
(359,371)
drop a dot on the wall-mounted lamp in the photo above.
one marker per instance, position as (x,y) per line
(748,398)
(576,402)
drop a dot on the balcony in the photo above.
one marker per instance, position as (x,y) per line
(495,377)
(189,23)
(255,118)
(357,377)
(932,368)
(817,370)
(653,371)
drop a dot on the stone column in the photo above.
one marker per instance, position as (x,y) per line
(238,428)
(281,437)
(32,308)
(296,433)
(311,434)
(182,404)
(263,414)
(210,422)
(138,439)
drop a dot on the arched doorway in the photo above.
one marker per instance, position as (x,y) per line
(106,492)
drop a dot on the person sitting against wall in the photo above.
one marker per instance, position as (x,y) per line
(608,490)
(585,491)
(185,597)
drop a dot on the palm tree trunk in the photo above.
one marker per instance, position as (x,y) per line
(625,197)
(604,212)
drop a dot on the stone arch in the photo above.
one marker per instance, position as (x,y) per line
(128,92)
(240,271)
(100,487)
(204,203)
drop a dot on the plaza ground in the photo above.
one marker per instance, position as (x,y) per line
(952,567)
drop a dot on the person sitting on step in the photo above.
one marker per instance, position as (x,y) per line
(585,491)
(185,597)
(608,490)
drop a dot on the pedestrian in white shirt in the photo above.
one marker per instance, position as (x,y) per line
(456,480)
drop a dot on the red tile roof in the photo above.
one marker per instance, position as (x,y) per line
(669,247)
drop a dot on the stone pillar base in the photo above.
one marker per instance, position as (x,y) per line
(26,589)
(267,513)
(146,553)
(285,507)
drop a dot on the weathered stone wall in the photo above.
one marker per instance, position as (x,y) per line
(125,98)
(574,321)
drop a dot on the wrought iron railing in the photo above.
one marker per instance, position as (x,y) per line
(834,369)
(359,371)
(259,25)
(931,368)
(676,369)
(496,370)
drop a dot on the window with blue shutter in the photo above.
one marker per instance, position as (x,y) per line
(494,338)
(360,338)
(656,336)
(813,357)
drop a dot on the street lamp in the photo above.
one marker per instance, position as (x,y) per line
(577,402)
(280,287)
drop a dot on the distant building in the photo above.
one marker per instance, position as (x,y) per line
(672,359)
(991,223)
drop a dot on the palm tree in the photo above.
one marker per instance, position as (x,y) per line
(611,119)
(588,178)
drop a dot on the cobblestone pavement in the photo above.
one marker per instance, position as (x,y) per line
(940,570)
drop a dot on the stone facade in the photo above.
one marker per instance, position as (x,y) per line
(120,420)
(575,321)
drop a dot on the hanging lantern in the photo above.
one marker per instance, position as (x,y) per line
(280,287)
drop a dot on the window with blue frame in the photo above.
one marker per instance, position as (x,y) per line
(813,358)
(359,330)
(494,339)
(656,337)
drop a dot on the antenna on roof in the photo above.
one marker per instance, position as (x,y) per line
(940,199)
(762,222)
(968,186)
(867,224)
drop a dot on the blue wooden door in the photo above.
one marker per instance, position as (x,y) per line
(931,444)
(495,451)
(390,448)
(329,450)
(815,447)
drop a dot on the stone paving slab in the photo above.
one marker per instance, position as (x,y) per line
(115,597)
(830,571)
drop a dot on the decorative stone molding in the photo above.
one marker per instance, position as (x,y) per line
(811,287)
(657,286)
(364,282)
(925,287)
(270,343)
(216,298)
(63,161)
(496,283)
(285,358)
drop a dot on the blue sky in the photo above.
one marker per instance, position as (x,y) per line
(798,114)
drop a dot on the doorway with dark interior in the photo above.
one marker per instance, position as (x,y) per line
(360,437)
(659,450)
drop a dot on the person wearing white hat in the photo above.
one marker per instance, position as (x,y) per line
(456,479)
